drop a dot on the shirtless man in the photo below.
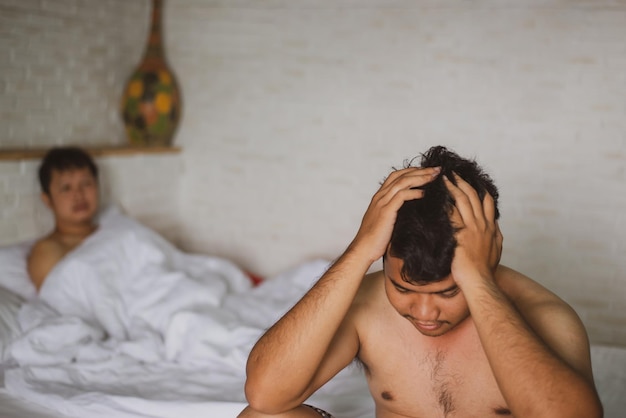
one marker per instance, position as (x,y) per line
(69,184)
(443,330)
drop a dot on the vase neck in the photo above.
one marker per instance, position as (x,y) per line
(155,48)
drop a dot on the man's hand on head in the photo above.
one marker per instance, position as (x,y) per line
(403,185)
(479,240)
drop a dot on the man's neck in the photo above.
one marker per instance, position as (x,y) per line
(73,233)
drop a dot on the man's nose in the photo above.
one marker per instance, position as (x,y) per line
(79,191)
(424,308)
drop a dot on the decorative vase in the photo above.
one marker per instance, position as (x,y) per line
(151,104)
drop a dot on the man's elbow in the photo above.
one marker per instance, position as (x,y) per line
(586,405)
(271,397)
(256,397)
(593,408)
(263,398)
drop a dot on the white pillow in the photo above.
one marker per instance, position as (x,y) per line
(9,328)
(13,270)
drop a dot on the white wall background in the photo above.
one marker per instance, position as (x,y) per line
(145,186)
(296,110)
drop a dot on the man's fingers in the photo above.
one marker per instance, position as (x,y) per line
(472,197)
(399,173)
(499,236)
(462,204)
(406,179)
(468,202)
(402,196)
(456,219)
(489,208)
(499,240)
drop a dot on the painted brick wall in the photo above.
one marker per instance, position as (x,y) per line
(296,110)
(145,186)
(63,68)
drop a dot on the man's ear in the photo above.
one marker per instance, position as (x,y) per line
(45,198)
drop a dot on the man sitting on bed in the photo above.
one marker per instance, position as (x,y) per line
(69,184)
(443,330)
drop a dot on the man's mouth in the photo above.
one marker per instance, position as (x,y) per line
(79,207)
(428,326)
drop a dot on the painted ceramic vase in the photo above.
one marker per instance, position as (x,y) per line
(151,104)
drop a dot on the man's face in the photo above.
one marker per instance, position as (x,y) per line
(73,195)
(433,309)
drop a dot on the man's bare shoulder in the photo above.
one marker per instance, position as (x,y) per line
(532,299)
(370,289)
(46,246)
(49,244)
(522,290)
(43,256)
(556,322)
(535,302)
(370,301)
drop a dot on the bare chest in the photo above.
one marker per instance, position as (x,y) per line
(411,375)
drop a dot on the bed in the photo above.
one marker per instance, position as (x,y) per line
(126,325)
(106,338)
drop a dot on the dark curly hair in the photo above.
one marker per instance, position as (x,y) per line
(423,236)
(62,159)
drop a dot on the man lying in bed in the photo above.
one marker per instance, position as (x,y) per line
(69,184)
(443,330)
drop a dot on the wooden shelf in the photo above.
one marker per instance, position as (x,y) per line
(18,154)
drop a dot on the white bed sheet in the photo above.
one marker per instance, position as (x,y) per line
(11,407)
(128,326)
(609,365)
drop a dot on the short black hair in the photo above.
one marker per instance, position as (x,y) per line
(62,159)
(423,235)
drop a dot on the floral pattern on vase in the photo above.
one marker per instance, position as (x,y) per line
(151,103)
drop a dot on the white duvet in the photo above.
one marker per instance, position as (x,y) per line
(126,325)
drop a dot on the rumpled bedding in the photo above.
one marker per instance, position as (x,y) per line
(126,325)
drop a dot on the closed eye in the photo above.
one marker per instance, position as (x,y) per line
(400,288)
(450,293)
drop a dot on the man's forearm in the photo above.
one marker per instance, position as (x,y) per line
(285,360)
(534,381)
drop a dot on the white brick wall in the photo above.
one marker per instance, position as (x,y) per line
(294,111)
(64,66)
(63,69)
(144,186)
